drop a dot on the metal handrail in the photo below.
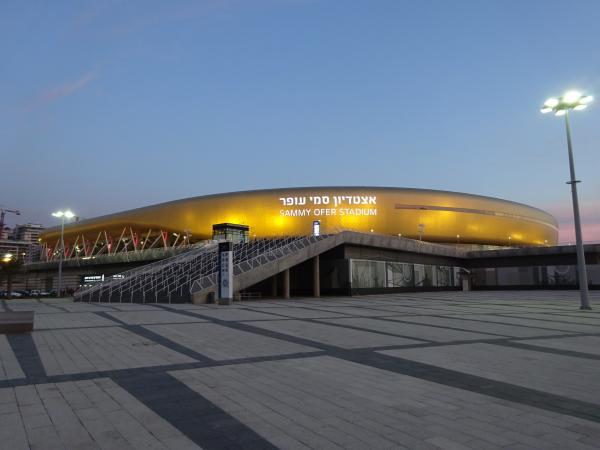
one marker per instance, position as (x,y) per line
(287,246)
(184,274)
(129,277)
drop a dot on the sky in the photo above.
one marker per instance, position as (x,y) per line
(111,105)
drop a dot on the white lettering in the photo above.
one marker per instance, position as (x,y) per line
(294,212)
(337,202)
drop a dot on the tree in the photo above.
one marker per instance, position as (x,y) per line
(9,266)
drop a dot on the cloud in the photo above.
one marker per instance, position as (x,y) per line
(590,220)
(58,92)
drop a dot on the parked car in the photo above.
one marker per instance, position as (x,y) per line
(14,294)
(38,293)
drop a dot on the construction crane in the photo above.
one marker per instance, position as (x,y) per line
(3,212)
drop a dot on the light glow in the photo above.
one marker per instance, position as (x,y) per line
(551,102)
(68,214)
(571,97)
(570,100)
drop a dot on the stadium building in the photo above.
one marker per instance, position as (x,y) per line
(310,241)
(428,215)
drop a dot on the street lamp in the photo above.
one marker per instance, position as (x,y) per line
(62,215)
(560,107)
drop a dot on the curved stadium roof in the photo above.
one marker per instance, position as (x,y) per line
(439,216)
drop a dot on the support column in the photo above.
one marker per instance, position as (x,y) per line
(286,283)
(466,280)
(466,283)
(274,286)
(316,277)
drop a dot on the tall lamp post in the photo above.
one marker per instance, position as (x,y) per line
(62,215)
(560,107)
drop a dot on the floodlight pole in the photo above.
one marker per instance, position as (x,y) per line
(581,270)
(62,251)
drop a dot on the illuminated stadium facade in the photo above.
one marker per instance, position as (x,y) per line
(430,215)
(372,240)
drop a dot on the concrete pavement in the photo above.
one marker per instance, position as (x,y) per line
(437,370)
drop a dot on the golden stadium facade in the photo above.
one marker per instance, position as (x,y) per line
(434,216)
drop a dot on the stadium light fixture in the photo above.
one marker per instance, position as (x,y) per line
(560,106)
(68,214)
(570,100)
(572,97)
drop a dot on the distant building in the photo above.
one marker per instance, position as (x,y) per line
(29,232)
(5,233)
(22,241)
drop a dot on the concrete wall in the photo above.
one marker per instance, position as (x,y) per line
(387,254)
(335,251)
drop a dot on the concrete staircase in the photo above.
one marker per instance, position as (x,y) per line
(266,264)
(173,280)
(167,280)
(193,276)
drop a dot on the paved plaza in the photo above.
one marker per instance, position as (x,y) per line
(435,370)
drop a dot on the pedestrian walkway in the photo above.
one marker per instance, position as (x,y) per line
(436,370)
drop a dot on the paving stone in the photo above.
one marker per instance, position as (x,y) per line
(477,370)
(479,327)
(342,337)
(222,343)
(282,395)
(99,349)
(143,317)
(9,365)
(533,369)
(580,344)
(129,425)
(12,432)
(70,320)
(236,314)
(409,330)
(299,312)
